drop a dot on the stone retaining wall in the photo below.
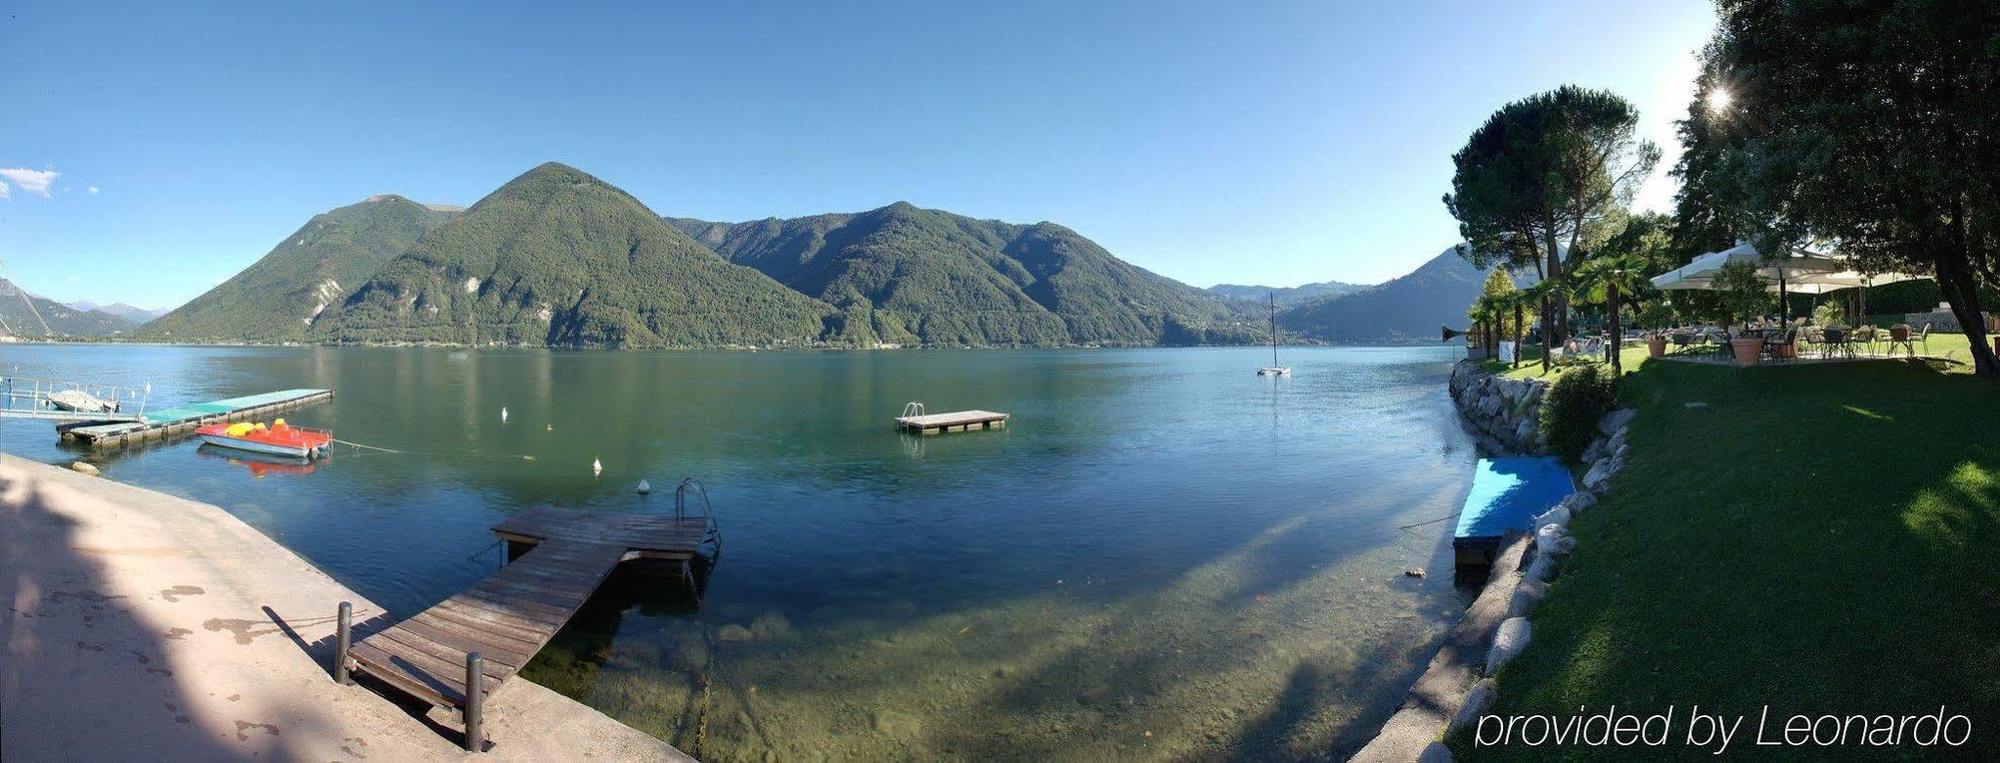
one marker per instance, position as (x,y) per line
(1506,413)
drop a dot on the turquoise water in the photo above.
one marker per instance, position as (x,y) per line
(1163,556)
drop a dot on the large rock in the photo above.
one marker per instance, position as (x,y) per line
(1599,473)
(1508,641)
(1616,420)
(1526,596)
(1478,700)
(1542,568)
(1553,540)
(1558,516)
(1435,752)
(1579,501)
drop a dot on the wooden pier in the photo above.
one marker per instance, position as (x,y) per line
(915,421)
(183,420)
(459,652)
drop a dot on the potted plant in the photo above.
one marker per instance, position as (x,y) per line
(1656,315)
(1740,292)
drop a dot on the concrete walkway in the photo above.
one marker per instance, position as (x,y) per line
(143,626)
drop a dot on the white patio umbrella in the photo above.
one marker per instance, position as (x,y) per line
(1700,273)
(1803,272)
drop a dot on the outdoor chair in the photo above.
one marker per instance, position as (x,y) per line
(1775,343)
(1682,341)
(1907,340)
(1922,337)
(1864,338)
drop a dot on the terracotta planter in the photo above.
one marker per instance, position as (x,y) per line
(1747,350)
(1656,346)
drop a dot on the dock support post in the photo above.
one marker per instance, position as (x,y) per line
(473,692)
(343,635)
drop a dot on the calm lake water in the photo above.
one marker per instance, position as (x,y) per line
(1163,556)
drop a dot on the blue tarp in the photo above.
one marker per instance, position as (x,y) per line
(1507,493)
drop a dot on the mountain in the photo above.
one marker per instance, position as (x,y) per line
(1288,296)
(1408,309)
(557,257)
(16,319)
(120,309)
(278,298)
(904,275)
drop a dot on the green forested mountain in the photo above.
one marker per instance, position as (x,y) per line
(278,298)
(557,257)
(1407,309)
(1287,296)
(905,275)
(17,320)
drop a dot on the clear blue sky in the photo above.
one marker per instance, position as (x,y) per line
(1257,143)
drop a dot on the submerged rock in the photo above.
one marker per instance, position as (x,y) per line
(771,626)
(734,632)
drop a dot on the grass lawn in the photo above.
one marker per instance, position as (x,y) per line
(1819,539)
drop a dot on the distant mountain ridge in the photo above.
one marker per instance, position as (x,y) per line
(559,258)
(120,309)
(62,320)
(904,275)
(1409,309)
(1287,296)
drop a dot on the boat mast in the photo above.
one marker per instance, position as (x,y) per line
(1274,330)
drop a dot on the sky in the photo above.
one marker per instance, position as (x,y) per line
(149,152)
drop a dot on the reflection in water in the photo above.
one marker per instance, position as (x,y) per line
(259,464)
(1163,555)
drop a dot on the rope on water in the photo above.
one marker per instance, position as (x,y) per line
(380,449)
(1426,522)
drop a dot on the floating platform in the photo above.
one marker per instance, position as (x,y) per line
(182,420)
(1507,494)
(915,421)
(457,654)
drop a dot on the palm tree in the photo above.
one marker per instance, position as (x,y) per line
(1604,279)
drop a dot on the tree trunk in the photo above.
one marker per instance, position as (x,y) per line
(1546,330)
(1616,345)
(1518,326)
(1554,325)
(1954,278)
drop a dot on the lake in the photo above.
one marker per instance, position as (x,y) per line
(1162,556)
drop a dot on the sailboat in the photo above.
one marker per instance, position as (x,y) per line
(1274,369)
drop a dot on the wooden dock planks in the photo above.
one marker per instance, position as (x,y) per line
(507,618)
(510,615)
(183,420)
(955,421)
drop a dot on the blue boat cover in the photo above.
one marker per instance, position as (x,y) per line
(1507,493)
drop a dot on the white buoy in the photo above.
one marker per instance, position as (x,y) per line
(552,427)
(645,487)
(503,414)
(596,466)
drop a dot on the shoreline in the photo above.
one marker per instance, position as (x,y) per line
(143,625)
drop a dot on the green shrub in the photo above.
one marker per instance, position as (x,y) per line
(1571,408)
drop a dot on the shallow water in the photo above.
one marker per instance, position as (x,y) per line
(1163,556)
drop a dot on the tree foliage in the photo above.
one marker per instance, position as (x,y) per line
(1865,124)
(1545,174)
